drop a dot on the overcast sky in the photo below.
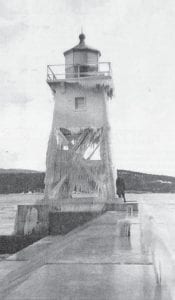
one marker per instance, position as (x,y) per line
(137,36)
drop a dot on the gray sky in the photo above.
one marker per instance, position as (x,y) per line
(137,36)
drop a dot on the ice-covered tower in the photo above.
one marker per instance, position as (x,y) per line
(78,155)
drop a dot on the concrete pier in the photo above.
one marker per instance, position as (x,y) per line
(91,262)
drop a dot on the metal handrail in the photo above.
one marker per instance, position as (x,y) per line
(155,240)
(76,72)
(100,63)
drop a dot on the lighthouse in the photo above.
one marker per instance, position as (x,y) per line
(78,160)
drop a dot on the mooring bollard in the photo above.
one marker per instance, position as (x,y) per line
(123,228)
(130,210)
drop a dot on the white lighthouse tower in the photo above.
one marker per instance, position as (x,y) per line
(78,156)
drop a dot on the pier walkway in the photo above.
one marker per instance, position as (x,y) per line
(91,262)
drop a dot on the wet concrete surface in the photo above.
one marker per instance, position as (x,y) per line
(92,262)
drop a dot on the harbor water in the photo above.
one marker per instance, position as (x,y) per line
(162,206)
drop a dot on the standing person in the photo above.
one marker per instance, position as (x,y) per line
(120,186)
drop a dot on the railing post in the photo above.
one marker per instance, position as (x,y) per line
(49,68)
(78,71)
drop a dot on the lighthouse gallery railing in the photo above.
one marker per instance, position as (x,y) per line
(77,71)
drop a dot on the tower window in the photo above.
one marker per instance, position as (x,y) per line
(80,103)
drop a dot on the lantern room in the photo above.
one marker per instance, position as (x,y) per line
(81,60)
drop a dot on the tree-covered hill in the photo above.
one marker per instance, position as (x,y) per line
(141,182)
(19,181)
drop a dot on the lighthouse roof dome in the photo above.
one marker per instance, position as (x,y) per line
(82,46)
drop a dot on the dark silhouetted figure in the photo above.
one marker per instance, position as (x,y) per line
(120,185)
